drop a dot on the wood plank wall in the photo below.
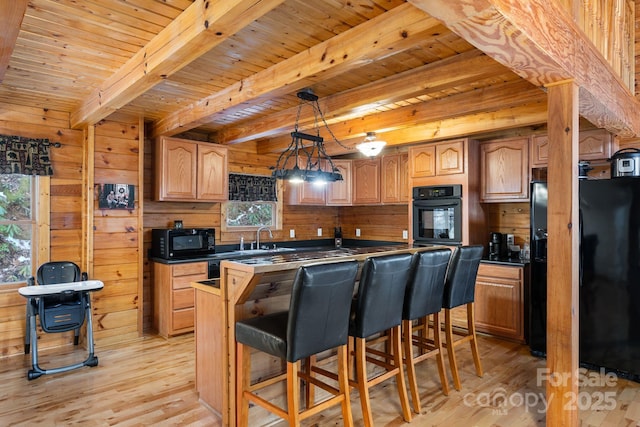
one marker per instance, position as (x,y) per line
(116,232)
(66,212)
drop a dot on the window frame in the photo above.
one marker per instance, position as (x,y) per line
(277,213)
(40,227)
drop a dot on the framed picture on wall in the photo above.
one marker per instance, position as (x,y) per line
(117,196)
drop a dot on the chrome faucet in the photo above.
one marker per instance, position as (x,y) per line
(258,235)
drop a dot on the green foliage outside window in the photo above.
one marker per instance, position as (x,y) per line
(15,228)
(250,214)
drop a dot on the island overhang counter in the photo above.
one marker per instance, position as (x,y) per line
(249,287)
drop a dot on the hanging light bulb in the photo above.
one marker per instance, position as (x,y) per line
(371,146)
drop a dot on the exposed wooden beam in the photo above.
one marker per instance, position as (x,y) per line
(458,127)
(460,69)
(11,15)
(463,105)
(387,34)
(563,221)
(540,41)
(202,26)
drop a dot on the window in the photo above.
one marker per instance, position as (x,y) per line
(250,214)
(17,227)
(253,202)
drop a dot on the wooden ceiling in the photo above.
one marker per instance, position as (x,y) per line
(228,70)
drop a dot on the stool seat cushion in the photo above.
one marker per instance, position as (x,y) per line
(265,333)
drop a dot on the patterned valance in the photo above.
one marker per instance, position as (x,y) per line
(252,188)
(24,156)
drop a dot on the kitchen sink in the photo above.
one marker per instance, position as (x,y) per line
(251,252)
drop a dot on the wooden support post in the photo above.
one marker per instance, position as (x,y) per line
(561,378)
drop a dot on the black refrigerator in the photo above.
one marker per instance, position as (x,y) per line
(609,274)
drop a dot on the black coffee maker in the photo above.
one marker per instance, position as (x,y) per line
(498,246)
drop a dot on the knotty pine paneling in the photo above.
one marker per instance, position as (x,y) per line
(116,258)
(385,222)
(512,218)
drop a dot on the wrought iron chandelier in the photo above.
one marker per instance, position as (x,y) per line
(305,159)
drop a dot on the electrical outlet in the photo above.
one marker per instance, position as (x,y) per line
(405,234)
(319,232)
(292,234)
(357,232)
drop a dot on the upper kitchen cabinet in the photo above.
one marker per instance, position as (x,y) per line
(504,170)
(394,179)
(190,171)
(366,181)
(438,159)
(339,193)
(305,193)
(595,144)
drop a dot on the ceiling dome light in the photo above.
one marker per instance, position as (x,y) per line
(371,146)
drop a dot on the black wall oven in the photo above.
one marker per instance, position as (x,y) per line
(437,215)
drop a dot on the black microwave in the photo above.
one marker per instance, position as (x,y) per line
(174,243)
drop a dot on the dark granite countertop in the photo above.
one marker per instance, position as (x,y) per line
(228,252)
(320,253)
(506,261)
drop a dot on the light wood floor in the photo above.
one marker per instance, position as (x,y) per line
(151,382)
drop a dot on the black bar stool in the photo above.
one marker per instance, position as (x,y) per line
(423,298)
(460,290)
(317,321)
(376,309)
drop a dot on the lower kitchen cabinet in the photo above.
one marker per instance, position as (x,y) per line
(173,296)
(499,300)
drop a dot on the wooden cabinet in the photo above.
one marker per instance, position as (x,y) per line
(340,193)
(595,144)
(504,170)
(191,171)
(305,193)
(437,159)
(173,296)
(394,179)
(499,301)
(366,181)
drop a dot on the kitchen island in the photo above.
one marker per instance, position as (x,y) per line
(249,287)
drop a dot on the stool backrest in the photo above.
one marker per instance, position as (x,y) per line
(460,285)
(426,283)
(319,308)
(380,298)
(55,272)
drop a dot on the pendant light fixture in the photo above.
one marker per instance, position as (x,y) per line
(371,146)
(305,159)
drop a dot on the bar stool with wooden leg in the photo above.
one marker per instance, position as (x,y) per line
(460,290)
(378,308)
(317,321)
(423,299)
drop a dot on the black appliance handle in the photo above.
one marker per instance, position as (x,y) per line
(625,150)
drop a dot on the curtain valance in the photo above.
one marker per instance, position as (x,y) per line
(24,156)
(252,188)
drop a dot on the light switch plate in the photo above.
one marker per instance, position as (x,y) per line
(292,234)
(405,234)
(357,232)
(319,232)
